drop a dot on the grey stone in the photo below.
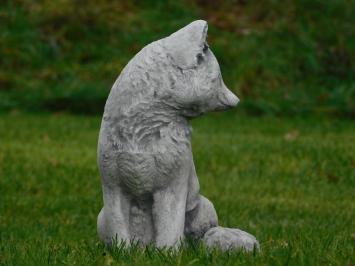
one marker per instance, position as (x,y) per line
(229,238)
(201,218)
(149,183)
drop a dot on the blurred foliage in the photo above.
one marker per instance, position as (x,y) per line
(280,57)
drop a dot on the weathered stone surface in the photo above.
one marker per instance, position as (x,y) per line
(149,183)
(201,218)
(229,238)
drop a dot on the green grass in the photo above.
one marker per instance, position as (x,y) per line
(290,182)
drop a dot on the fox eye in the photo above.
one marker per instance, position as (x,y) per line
(205,48)
(199,58)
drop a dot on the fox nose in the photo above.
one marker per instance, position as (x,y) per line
(227,98)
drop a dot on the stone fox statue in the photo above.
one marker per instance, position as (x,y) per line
(150,187)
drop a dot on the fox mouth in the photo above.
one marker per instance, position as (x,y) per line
(223,106)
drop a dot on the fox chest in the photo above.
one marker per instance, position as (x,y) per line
(166,157)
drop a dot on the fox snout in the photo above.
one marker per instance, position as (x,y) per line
(226,99)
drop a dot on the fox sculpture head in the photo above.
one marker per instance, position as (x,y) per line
(200,85)
(178,73)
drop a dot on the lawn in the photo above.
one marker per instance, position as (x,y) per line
(288,181)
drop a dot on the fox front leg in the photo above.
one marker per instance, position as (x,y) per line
(169,215)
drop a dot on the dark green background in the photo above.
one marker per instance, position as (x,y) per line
(280,57)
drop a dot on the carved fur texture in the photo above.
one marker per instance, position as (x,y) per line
(150,187)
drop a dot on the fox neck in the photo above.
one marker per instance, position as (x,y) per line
(143,123)
(154,115)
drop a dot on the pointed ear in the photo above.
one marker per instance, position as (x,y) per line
(186,44)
